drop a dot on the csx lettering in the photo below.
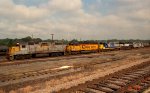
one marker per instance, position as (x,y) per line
(85,46)
(93,46)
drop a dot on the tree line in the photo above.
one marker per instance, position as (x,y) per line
(11,42)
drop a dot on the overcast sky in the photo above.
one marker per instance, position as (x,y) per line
(80,19)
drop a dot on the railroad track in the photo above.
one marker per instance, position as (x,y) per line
(15,76)
(7,81)
(33,60)
(28,61)
(18,80)
(133,80)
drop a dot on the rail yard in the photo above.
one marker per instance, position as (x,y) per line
(119,71)
(77,46)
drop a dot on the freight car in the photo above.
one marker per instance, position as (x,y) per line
(22,51)
(3,50)
(138,44)
(146,44)
(125,46)
(114,45)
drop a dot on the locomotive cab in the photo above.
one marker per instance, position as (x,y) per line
(12,50)
(15,51)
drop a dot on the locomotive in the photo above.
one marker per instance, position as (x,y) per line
(31,50)
(23,51)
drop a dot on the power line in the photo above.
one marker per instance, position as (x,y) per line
(52,37)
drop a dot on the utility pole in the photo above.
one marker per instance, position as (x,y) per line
(52,36)
(32,36)
(32,39)
(80,39)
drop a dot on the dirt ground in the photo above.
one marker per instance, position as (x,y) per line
(99,65)
(147,91)
(2,58)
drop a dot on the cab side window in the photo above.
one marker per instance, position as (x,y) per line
(44,44)
(23,46)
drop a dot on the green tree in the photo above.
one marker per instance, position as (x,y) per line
(26,39)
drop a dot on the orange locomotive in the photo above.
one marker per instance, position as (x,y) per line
(83,48)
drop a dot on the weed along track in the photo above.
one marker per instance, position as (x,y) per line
(133,80)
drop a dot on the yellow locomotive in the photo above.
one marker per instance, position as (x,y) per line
(83,48)
(23,51)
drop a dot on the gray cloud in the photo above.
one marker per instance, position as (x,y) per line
(67,19)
